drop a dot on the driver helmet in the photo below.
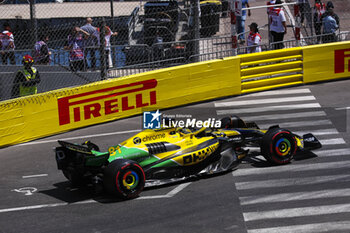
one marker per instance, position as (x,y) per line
(27,60)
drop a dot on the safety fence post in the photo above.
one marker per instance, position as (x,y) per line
(33,21)
(297,23)
(103,49)
(235,9)
(196,10)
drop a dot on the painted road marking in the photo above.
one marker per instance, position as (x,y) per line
(297,212)
(284,116)
(344,108)
(34,176)
(307,228)
(243,172)
(297,181)
(268,108)
(80,137)
(298,124)
(170,194)
(333,152)
(36,207)
(294,196)
(278,92)
(332,141)
(251,181)
(318,132)
(28,191)
(263,101)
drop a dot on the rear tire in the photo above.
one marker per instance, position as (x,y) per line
(278,146)
(124,178)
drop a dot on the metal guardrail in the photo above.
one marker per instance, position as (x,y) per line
(278,69)
(144,67)
(212,55)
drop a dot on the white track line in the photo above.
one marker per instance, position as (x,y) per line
(80,137)
(243,172)
(172,193)
(268,108)
(344,108)
(297,124)
(283,182)
(297,196)
(333,152)
(278,92)
(297,212)
(318,132)
(307,228)
(33,176)
(34,207)
(332,141)
(263,101)
(284,116)
(169,194)
(178,189)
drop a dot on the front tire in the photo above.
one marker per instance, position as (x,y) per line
(278,146)
(124,178)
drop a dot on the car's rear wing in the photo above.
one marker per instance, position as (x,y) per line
(75,147)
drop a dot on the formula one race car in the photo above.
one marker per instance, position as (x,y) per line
(167,154)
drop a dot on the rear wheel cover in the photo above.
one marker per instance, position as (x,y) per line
(124,178)
(130,180)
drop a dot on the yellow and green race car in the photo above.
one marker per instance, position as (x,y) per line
(165,155)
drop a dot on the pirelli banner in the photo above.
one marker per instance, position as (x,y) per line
(41,115)
(326,62)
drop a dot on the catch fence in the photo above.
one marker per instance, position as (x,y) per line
(148,36)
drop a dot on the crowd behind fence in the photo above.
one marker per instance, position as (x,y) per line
(146,38)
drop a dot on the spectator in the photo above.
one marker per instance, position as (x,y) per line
(26,80)
(268,10)
(319,10)
(271,2)
(241,17)
(254,39)
(41,51)
(92,42)
(75,45)
(158,46)
(330,22)
(278,25)
(7,45)
(108,35)
(302,4)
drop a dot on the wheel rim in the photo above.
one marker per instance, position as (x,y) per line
(283,147)
(130,180)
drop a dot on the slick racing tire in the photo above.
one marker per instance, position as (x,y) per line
(278,146)
(232,122)
(124,178)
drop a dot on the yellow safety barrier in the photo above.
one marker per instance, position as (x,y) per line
(273,69)
(326,62)
(58,111)
(45,114)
